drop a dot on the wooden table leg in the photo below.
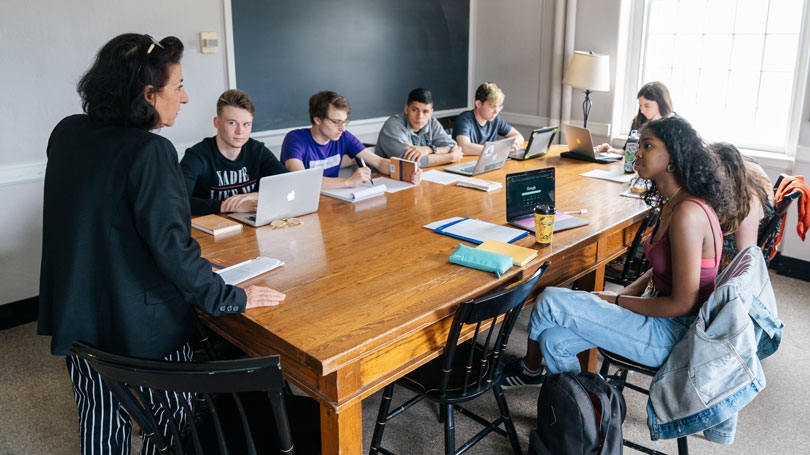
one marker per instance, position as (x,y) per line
(342,433)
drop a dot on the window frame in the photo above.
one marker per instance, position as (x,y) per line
(632,41)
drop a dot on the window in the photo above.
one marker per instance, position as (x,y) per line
(734,68)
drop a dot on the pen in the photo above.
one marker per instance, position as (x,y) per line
(582,211)
(362,163)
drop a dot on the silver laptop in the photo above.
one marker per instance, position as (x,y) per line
(539,142)
(284,196)
(580,147)
(492,157)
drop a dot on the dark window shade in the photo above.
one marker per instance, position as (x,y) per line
(373,52)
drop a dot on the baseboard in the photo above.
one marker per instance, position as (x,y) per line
(18,313)
(791,267)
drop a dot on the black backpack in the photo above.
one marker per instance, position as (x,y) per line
(578,414)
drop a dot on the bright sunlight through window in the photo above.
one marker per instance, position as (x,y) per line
(730,65)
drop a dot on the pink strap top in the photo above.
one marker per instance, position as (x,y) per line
(660,257)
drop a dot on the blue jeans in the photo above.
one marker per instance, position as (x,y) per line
(566,322)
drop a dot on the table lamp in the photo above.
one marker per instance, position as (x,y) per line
(589,72)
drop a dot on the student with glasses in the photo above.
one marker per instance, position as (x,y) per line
(222,173)
(482,124)
(119,269)
(327,142)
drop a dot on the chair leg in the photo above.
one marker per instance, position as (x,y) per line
(507,419)
(683,448)
(382,417)
(449,430)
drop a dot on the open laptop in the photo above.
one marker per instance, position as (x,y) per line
(284,196)
(580,147)
(539,142)
(526,190)
(492,157)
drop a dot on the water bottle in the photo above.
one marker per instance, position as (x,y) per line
(630,151)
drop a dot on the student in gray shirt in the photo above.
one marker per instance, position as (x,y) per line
(415,135)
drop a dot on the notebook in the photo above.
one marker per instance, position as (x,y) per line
(492,157)
(539,142)
(580,147)
(284,196)
(526,190)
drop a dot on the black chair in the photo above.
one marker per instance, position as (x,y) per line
(633,263)
(466,370)
(240,405)
(447,123)
(619,380)
(767,237)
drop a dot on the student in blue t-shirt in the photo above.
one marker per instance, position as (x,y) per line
(482,124)
(325,143)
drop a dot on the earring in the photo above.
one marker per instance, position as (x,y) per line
(670,168)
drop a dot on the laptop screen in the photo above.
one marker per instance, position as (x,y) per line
(526,190)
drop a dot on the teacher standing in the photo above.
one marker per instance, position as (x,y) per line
(120,270)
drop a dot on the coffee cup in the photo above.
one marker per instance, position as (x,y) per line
(544,223)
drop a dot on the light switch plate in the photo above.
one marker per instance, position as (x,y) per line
(208,42)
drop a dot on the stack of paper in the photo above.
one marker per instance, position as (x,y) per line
(355,194)
(476,231)
(248,269)
(479,184)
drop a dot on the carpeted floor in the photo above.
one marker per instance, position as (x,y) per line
(38,416)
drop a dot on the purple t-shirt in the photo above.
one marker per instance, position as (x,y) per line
(299,144)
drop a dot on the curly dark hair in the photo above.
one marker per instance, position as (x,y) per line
(695,169)
(112,90)
(737,181)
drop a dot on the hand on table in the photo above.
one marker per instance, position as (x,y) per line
(261,296)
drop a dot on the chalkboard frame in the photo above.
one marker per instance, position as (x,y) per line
(369,100)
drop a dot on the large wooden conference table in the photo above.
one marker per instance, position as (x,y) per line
(371,293)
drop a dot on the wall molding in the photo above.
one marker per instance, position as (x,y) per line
(19,312)
(791,267)
(23,172)
(534,121)
(368,129)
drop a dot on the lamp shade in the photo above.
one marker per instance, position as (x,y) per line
(588,71)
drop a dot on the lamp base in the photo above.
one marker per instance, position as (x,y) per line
(586,108)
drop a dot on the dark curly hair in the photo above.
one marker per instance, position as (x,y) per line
(112,90)
(737,181)
(695,169)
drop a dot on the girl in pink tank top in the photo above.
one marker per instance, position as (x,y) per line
(644,320)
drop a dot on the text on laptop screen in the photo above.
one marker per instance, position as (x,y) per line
(527,190)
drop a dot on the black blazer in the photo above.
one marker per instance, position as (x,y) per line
(120,270)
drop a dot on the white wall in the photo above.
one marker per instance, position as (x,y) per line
(48,45)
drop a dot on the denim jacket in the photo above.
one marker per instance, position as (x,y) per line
(715,369)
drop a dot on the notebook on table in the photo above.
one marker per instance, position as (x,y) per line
(539,142)
(580,147)
(284,196)
(526,190)
(492,157)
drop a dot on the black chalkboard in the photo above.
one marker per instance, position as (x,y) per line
(373,52)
